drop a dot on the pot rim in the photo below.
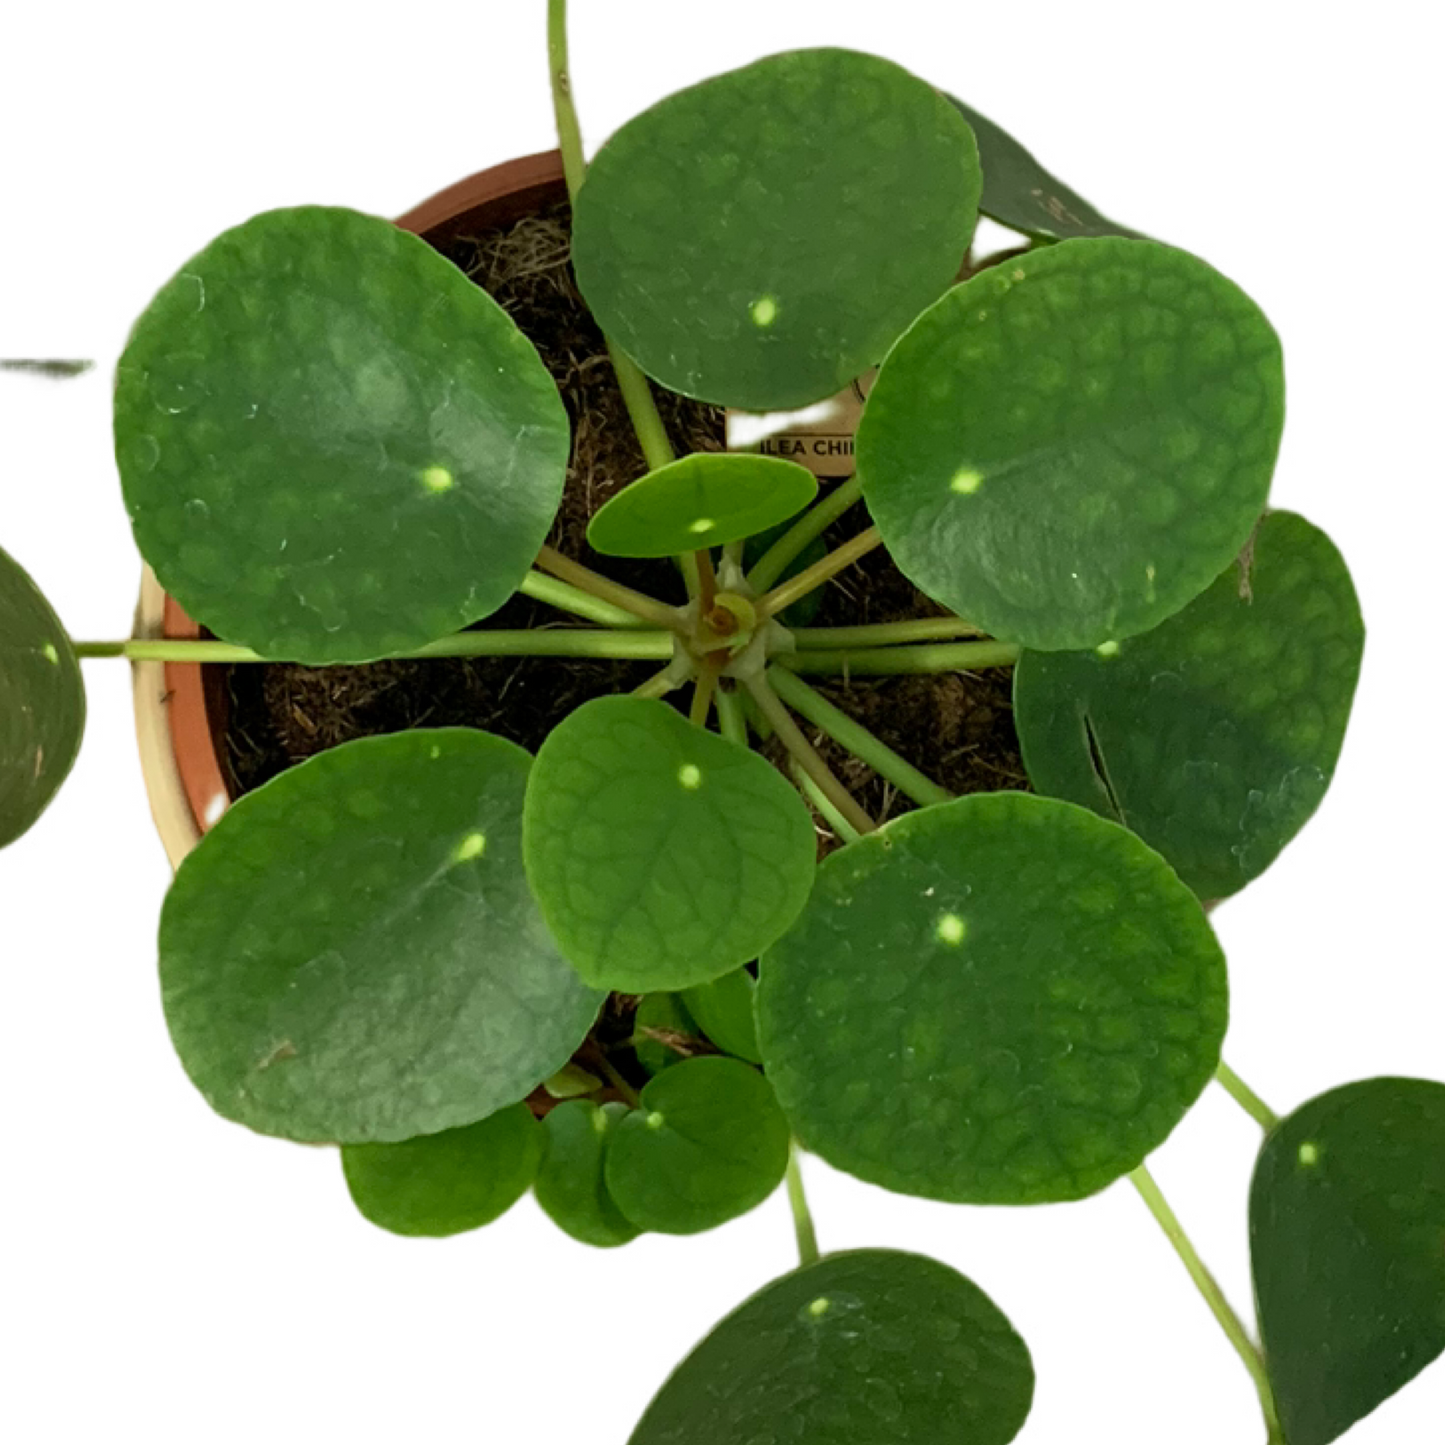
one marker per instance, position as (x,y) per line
(180,764)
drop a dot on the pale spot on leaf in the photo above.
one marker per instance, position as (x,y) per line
(950,930)
(764,311)
(966,481)
(690,776)
(472,846)
(438,479)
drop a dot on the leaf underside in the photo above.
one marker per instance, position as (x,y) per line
(1019,192)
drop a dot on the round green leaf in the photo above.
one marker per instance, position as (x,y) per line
(1214,736)
(570,1186)
(315,404)
(724,1012)
(661,855)
(999,1000)
(450,1182)
(861,1348)
(42,702)
(352,952)
(666,1013)
(762,238)
(1019,192)
(704,500)
(1346,1220)
(707,1144)
(1068,448)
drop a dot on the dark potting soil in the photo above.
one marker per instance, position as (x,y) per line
(957,728)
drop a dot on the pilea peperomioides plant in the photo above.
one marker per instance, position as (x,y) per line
(335,448)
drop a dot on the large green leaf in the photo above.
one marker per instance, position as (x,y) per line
(333,445)
(1019,192)
(703,500)
(724,1011)
(762,238)
(661,855)
(450,1182)
(570,1186)
(999,1000)
(1069,447)
(1347,1234)
(1214,736)
(707,1144)
(870,1347)
(353,954)
(42,702)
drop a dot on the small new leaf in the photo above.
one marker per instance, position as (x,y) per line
(570,1185)
(707,1144)
(702,500)
(662,856)
(450,1182)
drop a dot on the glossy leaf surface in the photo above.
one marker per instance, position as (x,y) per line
(708,1144)
(661,855)
(999,1000)
(1071,446)
(861,1348)
(703,500)
(570,1186)
(724,1012)
(1019,192)
(42,702)
(762,238)
(450,1182)
(352,952)
(315,406)
(1215,735)
(1346,1219)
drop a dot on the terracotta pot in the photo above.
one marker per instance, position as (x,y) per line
(180,708)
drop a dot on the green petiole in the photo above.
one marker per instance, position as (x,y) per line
(856,738)
(558,642)
(1208,1286)
(813,523)
(887,661)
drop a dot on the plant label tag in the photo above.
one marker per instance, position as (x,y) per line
(819,437)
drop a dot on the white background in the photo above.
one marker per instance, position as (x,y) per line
(171,1276)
